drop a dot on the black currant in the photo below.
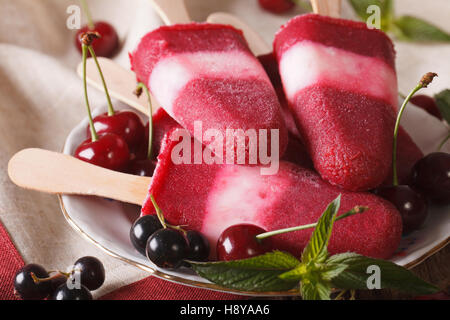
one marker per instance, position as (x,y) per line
(57,280)
(63,292)
(92,272)
(167,248)
(27,288)
(198,246)
(142,229)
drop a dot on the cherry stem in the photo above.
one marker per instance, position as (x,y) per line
(159,213)
(423,83)
(108,98)
(88,14)
(443,142)
(355,210)
(94,135)
(142,86)
(160,216)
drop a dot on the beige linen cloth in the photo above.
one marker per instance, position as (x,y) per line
(41,100)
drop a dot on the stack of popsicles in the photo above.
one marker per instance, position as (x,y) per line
(340,83)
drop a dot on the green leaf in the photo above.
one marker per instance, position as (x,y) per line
(322,272)
(254,274)
(391,275)
(443,103)
(317,246)
(414,29)
(315,291)
(386,11)
(296,274)
(332,270)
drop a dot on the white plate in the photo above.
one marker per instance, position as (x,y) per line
(106,223)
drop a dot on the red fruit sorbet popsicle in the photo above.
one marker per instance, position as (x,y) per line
(206,72)
(210,198)
(340,81)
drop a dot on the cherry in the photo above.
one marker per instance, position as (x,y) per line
(276,6)
(239,242)
(92,272)
(431,176)
(167,248)
(109,151)
(412,205)
(198,246)
(63,292)
(125,124)
(142,229)
(428,104)
(143,168)
(25,286)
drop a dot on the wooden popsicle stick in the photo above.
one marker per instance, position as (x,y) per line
(121,83)
(257,45)
(57,173)
(331,8)
(171,11)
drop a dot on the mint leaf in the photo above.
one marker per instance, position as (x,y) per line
(317,246)
(443,103)
(386,11)
(332,270)
(254,274)
(315,291)
(391,275)
(414,29)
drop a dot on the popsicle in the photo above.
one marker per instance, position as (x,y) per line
(206,72)
(340,81)
(210,198)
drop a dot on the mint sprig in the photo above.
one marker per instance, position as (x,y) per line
(410,28)
(405,28)
(316,274)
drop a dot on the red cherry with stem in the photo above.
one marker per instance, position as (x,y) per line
(423,83)
(108,44)
(125,124)
(276,6)
(243,241)
(412,205)
(107,150)
(428,104)
(145,167)
(239,242)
